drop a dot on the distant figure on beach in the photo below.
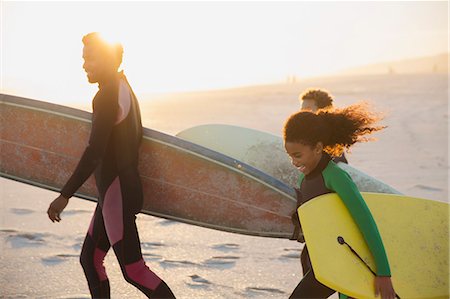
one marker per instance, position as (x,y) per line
(318,99)
(311,140)
(112,154)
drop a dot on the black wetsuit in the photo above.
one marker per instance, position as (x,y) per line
(340,158)
(327,177)
(296,234)
(112,154)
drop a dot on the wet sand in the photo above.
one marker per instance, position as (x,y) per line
(39,259)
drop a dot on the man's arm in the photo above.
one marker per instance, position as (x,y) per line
(104,116)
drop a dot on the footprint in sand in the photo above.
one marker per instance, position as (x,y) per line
(198,282)
(227,247)
(177,264)
(7,231)
(151,245)
(79,296)
(221,262)
(291,253)
(21,211)
(256,291)
(57,259)
(78,243)
(151,257)
(22,240)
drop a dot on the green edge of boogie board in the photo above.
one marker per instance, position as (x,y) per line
(415,235)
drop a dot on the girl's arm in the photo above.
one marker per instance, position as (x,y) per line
(338,180)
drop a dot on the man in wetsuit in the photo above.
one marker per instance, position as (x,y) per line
(112,154)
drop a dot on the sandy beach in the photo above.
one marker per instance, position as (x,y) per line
(39,259)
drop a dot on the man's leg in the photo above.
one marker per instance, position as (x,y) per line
(120,223)
(93,252)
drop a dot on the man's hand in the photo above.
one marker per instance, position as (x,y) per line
(383,287)
(56,207)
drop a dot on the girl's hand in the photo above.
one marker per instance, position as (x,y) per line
(56,207)
(383,287)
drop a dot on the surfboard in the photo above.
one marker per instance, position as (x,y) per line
(415,235)
(266,152)
(41,143)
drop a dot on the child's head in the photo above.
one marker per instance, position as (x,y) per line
(315,99)
(306,134)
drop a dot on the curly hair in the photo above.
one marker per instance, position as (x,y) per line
(337,129)
(321,97)
(114,52)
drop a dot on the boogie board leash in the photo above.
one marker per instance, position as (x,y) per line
(341,241)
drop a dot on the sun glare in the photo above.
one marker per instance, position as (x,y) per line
(178,46)
(110,37)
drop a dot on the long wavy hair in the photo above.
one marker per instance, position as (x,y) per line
(337,129)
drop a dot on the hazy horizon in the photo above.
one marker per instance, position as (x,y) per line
(380,68)
(192,46)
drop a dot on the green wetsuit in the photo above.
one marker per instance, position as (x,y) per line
(327,177)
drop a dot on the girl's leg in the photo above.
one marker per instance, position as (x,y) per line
(93,252)
(305,261)
(119,217)
(309,288)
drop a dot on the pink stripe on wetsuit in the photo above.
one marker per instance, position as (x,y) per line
(112,152)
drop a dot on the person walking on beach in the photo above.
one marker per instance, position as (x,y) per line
(311,140)
(314,99)
(112,154)
(319,99)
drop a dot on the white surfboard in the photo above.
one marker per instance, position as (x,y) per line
(266,152)
(181,181)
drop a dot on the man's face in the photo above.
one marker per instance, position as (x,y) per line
(309,105)
(94,64)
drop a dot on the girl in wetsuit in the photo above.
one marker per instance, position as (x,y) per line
(112,154)
(311,140)
(317,99)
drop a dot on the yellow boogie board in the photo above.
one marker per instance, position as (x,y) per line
(415,234)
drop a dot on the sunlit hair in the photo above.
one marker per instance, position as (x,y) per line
(113,51)
(321,97)
(337,129)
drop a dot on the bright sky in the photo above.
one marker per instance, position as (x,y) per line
(179,46)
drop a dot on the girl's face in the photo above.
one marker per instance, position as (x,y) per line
(304,157)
